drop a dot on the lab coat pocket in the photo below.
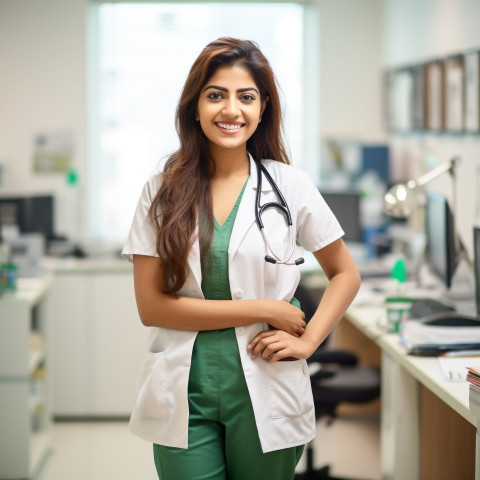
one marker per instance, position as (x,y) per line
(290,389)
(152,395)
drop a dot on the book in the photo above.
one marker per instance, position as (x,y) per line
(473,375)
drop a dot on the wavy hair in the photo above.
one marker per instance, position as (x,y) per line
(184,199)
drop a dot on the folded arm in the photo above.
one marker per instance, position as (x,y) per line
(184,313)
(344,282)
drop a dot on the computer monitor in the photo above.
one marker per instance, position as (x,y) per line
(476,265)
(441,253)
(346,207)
(32,214)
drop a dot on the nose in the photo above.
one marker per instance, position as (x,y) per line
(231,107)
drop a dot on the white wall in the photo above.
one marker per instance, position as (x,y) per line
(351,63)
(418,31)
(43,87)
(43,90)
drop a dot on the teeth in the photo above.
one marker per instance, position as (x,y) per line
(229,126)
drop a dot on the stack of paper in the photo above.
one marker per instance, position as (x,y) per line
(419,337)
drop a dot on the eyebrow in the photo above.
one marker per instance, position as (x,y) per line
(223,89)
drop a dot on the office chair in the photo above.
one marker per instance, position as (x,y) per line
(340,379)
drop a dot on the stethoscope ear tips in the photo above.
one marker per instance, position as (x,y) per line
(270,259)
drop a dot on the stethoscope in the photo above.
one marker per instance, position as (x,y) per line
(283,207)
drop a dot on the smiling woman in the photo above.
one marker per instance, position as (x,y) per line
(215,386)
(138,58)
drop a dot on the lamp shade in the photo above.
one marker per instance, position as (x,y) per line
(400,201)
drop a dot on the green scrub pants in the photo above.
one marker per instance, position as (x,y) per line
(223,441)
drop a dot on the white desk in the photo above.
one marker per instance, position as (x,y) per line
(402,379)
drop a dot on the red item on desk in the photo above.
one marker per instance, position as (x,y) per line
(473,375)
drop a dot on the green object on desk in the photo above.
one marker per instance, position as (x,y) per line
(399,271)
(8,277)
(398,306)
(398,311)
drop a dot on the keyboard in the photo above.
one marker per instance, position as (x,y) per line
(424,307)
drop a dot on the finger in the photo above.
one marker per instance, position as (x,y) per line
(264,346)
(259,337)
(279,355)
(270,357)
(270,350)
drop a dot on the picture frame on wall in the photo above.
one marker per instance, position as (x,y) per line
(400,100)
(472,91)
(434,96)
(418,97)
(454,94)
(389,93)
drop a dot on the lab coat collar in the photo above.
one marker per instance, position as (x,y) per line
(246,212)
(266,187)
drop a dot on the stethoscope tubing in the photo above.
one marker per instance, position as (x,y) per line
(283,207)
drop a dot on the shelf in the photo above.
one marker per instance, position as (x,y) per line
(40,448)
(24,386)
(37,357)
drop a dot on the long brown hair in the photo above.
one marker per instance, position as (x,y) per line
(184,195)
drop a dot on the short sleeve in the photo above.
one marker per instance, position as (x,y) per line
(141,239)
(317,225)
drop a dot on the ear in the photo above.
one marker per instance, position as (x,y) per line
(267,98)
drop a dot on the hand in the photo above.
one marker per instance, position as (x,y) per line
(284,316)
(275,345)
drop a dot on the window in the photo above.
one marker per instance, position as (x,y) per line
(140,56)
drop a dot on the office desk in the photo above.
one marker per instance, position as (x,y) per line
(422,414)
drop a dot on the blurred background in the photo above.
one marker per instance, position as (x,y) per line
(88,91)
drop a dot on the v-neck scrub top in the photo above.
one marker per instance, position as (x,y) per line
(214,346)
(280,392)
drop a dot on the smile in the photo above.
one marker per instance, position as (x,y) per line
(233,127)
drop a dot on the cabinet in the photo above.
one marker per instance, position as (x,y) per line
(98,341)
(24,379)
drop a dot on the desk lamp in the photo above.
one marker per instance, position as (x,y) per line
(401,200)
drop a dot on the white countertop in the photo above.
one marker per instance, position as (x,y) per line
(29,291)
(103,264)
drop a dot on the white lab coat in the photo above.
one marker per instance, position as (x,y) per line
(280,392)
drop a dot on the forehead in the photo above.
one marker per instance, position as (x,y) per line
(236,75)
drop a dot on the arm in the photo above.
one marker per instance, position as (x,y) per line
(344,282)
(184,313)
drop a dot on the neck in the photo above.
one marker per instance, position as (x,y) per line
(230,162)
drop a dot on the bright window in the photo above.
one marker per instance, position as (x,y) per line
(140,56)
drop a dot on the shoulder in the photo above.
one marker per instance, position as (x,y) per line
(152,185)
(288,176)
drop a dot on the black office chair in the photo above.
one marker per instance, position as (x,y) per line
(339,380)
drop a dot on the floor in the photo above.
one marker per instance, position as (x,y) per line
(107,451)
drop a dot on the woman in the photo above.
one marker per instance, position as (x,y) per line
(216,398)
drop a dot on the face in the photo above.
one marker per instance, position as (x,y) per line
(229,108)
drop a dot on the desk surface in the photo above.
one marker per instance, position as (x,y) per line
(426,370)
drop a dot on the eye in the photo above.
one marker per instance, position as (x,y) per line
(215,96)
(247,97)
